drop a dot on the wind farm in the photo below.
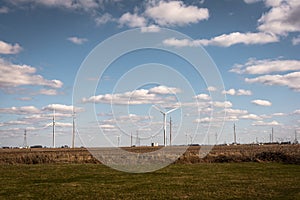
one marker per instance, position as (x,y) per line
(153,99)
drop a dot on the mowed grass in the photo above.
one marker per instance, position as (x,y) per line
(177,181)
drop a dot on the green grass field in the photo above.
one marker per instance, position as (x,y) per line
(178,181)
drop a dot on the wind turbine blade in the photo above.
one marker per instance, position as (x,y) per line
(172,110)
(154,106)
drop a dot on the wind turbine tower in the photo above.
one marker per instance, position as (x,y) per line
(53,130)
(73,130)
(165,121)
(272,136)
(170,131)
(234,133)
(25,139)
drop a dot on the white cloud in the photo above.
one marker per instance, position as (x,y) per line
(278,114)
(251,116)
(6,48)
(4,10)
(262,123)
(203,97)
(59,124)
(25,98)
(86,5)
(253,66)
(51,92)
(150,29)
(155,95)
(260,102)
(132,20)
(24,110)
(211,89)
(12,75)
(203,120)
(291,80)
(105,18)
(225,40)
(239,92)
(296,40)
(297,112)
(224,104)
(282,18)
(107,126)
(61,108)
(236,112)
(77,40)
(175,13)
(251,1)
(164,90)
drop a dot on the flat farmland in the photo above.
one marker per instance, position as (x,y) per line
(226,172)
(178,181)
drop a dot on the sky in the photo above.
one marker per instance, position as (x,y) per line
(53,56)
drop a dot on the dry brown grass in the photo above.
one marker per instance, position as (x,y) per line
(233,153)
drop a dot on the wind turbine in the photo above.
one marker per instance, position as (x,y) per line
(53,129)
(165,120)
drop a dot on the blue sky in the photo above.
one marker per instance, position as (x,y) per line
(254,44)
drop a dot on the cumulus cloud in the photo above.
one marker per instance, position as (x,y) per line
(282,18)
(77,40)
(61,108)
(225,40)
(260,102)
(253,66)
(269,67)
(4,10)
(291,80)
(175,13)
(203,97)
(262,123)
(6,48)
(296,40)
(239,92)
(24,110)
(211,89)
(251,1)
(86,5)
(251,116)
(13,75)
(155,95)
(132,20)
(105,18)
(50,92)
(297,112)
(222,104)
(164,90)
(150,29)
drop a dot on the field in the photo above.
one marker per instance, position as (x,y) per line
(228,172)
(178,181)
